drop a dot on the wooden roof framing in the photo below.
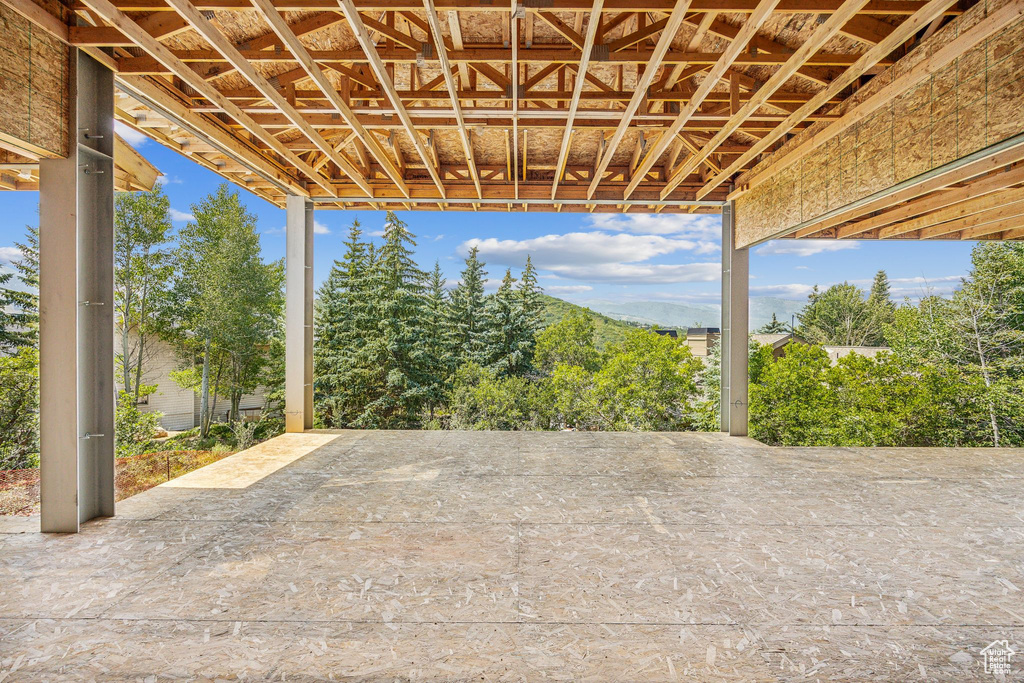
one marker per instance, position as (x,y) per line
(590,105)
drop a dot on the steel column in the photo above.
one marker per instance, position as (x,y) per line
(735,324)
(298,394)
(76,309)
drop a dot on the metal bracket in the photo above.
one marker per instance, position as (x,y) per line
(599,53)
(520,12)
(91,303)
(427,49)
(93,436)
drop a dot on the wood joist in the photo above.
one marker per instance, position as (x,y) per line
(602,105)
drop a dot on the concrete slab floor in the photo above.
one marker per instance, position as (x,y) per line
(533,556)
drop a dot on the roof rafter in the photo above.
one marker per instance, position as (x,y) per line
(380,70)
(453,91)
(281,28)
(588,45)
(820,36)
(675,20)
(869,59)
(180,69)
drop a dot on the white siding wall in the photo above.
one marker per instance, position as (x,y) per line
(180,406)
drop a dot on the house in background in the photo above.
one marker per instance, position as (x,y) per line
(180,407)
(701,339)
(778,341)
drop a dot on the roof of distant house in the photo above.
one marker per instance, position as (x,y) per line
(702,330)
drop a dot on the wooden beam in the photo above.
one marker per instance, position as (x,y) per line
(281,28)
(753,23)
(928,183)
(124,24)
(868,60)
(453,91)
(220,42)
(348,8)
(151,91)
(563,29)
(982,223)
(944,205)
(675,20)
(821,35)
(587,48)
(922,70)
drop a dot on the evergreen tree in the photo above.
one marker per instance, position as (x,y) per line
(13,323)
(342,328)
(774,327)
(466,320)
(437,344)
(508,334)
(392,356)
(533,304)
(26,299)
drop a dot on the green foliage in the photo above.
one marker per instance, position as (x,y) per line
(226,302)
(19,409)
(647,383)
(466,313)
(391,355)
(142,269)
(773,327)
(569,392)
(569,341)
(840,316)
(13,323)
(508,334)
(606,330)
(480,399)
(133,429)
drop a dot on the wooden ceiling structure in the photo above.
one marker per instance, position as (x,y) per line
(566,105)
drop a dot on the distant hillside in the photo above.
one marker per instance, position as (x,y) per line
(667,314)
(606,330)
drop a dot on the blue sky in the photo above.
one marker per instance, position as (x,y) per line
(580,256)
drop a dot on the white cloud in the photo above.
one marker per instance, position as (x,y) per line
(169,180)
(319,228)
(438,238)
(9,254)
(180,216)
(789,291)
(643,274)
(696,226)
(806,247)
(375,233)
(568,289)
(576,249)
(130,135)
(801,267)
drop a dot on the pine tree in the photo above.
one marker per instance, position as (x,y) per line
(509,336)
(533,304)
(466,319)
(880,290)
(342,320)
(437,339)
(774,327)
(13,323)
(392,355)
(26,300)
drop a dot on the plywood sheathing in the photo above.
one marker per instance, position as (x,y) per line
(974,102)
(33,82)
(532,556)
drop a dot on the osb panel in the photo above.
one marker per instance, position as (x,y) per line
(975,102)
(33,80)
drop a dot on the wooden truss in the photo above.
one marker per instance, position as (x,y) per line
(587,105)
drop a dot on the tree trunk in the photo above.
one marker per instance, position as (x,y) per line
(204,396)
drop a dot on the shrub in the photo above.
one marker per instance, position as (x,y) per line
(19,410)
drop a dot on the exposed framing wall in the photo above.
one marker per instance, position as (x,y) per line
(34,83)
(975,101)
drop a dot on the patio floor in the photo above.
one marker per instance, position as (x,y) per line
(529,556)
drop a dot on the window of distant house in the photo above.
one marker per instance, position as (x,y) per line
(142,400)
